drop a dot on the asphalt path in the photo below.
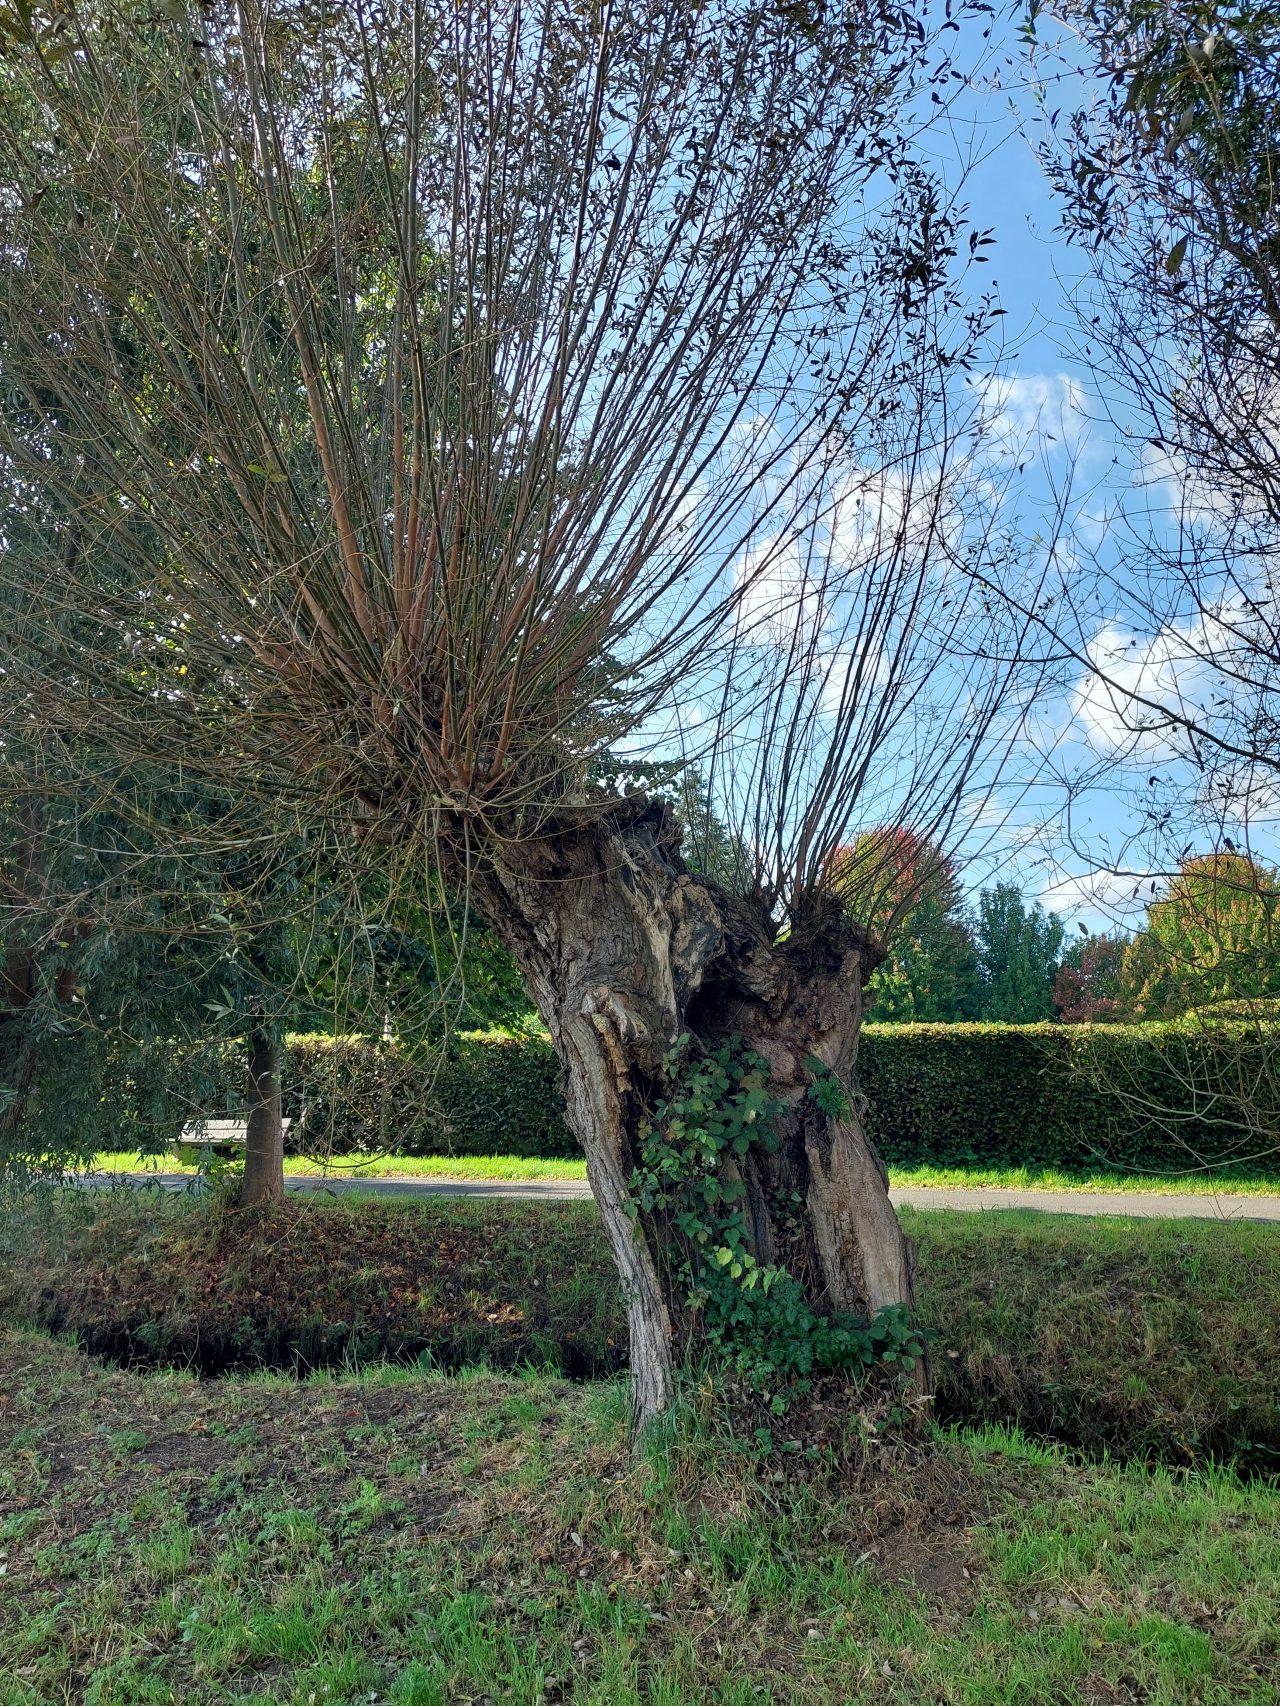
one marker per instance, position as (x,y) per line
(1132,1203)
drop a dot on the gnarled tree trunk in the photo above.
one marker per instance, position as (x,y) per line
(623,950)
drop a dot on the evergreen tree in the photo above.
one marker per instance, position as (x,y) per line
(149,981)
(1018,950)
(709,847)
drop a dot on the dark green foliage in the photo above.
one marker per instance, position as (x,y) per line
(1018,950)
(709,846)
(932,973)
(1157,1098)
(141,944)
(142,936)
(482,1096)
(718,1109)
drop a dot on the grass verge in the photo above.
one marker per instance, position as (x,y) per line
(1200,1184)
(186,1160)
(1147,1339)
(415,1540)
(1204,1184)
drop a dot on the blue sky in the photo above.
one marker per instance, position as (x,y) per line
(1070,820)
(1070,435)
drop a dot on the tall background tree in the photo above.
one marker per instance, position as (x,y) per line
(1089,981)
(908,890)
(453,400)
(148,944)
(1210,943)
(1018,948)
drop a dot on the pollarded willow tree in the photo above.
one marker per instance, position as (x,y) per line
(449,410)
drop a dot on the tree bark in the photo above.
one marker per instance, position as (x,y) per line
(623,950)
(264,1129)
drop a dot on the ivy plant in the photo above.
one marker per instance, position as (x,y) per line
(716,1110)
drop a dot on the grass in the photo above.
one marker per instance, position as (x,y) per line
(1150,1339)
(1200,1184)
(1206,1184)
(409,1539)
(366,1166)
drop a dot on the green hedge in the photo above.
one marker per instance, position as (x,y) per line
(487,1095)
(1153,1097)
(1156,1097)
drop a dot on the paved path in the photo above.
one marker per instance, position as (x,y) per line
(1224,1207)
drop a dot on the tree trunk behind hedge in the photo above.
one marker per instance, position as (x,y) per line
(264,1129)
(623,950)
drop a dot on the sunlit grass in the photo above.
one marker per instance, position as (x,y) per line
(364,1166)
(420,1540)
(516,1167)
(1207,1183)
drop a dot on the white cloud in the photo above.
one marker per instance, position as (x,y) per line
(1184,495)
(882,514)
(1139,688)
(846,676)
(1023,412)
(684,511)
(780,601)
(1098,898)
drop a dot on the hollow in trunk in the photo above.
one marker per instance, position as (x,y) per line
(625,952)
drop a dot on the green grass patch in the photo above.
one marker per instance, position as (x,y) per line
(1205,1183)
(1142,1338)
(185,1159)
(410,1539)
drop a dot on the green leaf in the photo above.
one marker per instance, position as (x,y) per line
(1175,256)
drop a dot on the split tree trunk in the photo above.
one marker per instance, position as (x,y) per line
(264,1130)
(623,950)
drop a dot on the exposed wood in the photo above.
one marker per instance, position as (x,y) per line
(623,950)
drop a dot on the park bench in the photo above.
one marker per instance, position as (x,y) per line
(216,1134)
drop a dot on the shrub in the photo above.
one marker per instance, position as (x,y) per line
(486,1094)
(1156,1097)
(1159,1098)
(1153,1097)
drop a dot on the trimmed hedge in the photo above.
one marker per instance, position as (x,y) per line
(1158,1098)
(490,1094)
(1154,1097)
